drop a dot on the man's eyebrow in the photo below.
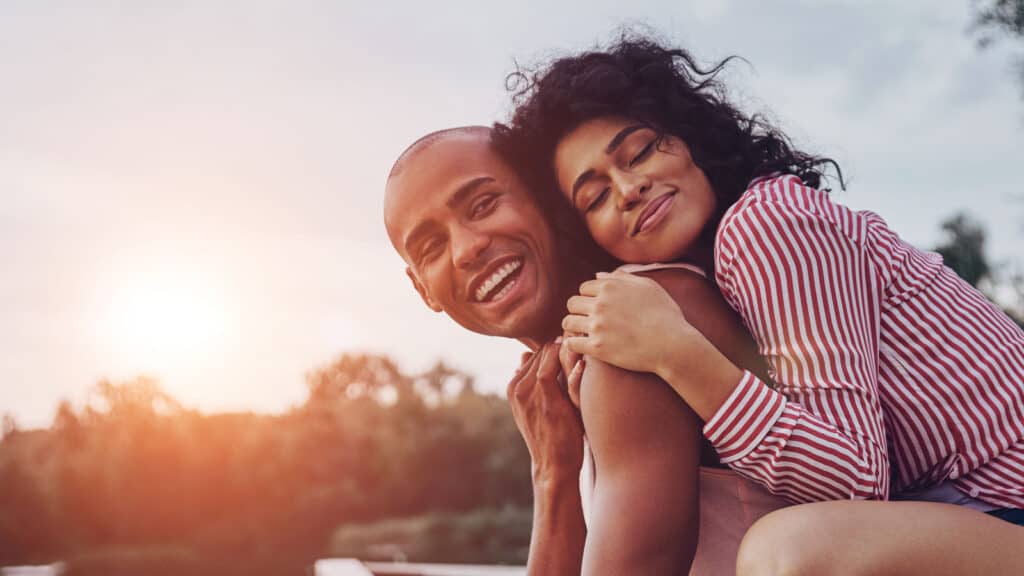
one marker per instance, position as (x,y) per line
(422,229)
(460,195)
(466,189)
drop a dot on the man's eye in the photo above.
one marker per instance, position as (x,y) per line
(482,205)
(429,250)
(644,152)
(598,200)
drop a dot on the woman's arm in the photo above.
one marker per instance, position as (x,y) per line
(800,271)
(646,447)
(806,288)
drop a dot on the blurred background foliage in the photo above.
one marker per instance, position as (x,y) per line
(375,464)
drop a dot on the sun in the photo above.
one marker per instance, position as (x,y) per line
(162,316)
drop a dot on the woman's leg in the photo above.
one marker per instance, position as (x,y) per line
(881,538)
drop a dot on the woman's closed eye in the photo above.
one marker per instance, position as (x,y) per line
(643,153)
(598,199)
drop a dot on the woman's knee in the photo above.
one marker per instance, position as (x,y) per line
(787,542)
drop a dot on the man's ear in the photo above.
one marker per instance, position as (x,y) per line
(422,290)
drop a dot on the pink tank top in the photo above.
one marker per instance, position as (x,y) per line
(729,503)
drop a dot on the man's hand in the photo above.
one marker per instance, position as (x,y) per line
(553,431)
(545,416)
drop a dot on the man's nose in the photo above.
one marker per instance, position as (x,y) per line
(467,246)
(630,188)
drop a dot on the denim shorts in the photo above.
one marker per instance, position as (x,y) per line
(1011,515)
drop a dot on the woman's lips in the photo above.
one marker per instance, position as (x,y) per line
(654,213)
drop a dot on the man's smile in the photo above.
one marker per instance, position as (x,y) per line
(497,281)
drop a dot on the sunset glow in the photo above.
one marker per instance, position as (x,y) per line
(165,315)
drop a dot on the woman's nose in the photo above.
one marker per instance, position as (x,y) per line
(631,189)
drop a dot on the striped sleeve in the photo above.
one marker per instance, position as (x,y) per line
(792,264)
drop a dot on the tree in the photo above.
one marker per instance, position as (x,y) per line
(996,18)
(964,248)
(964,252)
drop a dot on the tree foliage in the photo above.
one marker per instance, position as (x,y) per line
(964,249)
(995,19)
(134,478)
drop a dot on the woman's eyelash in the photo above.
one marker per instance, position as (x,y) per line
(597,200)
(643,153)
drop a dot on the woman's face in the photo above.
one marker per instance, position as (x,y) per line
(643,198)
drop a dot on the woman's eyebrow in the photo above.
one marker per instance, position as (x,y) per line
(616,141)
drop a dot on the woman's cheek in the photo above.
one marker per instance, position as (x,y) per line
(604,230)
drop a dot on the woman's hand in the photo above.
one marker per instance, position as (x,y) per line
(632,322)
(629,321)
(549,423)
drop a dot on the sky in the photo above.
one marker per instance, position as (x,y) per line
(192,190)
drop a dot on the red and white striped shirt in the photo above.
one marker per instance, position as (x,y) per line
(886,362)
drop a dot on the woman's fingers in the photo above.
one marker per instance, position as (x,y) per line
(582,345)
(581,305)
(576,324)
(592,287)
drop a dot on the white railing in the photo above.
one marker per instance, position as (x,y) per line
(351,567)
(47,570)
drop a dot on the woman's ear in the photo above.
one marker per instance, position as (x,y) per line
(422,290)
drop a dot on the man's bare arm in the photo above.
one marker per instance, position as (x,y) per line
(556,542)
(646,448)
(551,427)
(644,438)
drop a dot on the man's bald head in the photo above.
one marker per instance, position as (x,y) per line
(482,133)
(477,245)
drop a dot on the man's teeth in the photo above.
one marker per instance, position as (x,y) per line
(508,288)
(495,279)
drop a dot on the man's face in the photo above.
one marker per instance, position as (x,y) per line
(476,246)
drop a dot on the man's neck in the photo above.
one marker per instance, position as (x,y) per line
(551,326)
(548,333)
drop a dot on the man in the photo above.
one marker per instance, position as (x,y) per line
(479,249)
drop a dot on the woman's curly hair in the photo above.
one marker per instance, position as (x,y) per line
(642,80)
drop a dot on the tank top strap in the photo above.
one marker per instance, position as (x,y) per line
(634,268)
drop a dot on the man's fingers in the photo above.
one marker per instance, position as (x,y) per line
(522,376)
(576,324)
(575,379)
(549,366)
(583,305)
(566,357)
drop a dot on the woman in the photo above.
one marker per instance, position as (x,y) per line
(890,370)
